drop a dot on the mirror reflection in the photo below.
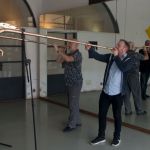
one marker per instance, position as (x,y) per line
(136,103)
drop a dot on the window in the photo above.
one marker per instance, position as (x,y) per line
(95,18)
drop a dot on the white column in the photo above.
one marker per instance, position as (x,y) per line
(32,54)
(43,65)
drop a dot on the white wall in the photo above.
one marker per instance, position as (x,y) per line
(133,18)
(137,20)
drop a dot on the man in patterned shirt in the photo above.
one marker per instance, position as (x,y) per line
(73,80)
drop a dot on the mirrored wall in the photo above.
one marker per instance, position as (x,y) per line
(90,23)
(16,12)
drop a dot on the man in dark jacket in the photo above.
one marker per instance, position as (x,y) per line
(145,71)
(133,83)
(114,87)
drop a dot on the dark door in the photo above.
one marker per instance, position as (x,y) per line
(55,76)
(12,83)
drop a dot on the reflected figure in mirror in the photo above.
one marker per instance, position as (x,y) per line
(145,71)
(133,82)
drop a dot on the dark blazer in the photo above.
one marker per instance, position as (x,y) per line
(145,64)
(124,65)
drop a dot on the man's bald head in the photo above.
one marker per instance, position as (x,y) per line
(73,46)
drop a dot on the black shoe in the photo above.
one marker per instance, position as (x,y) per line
(144,98)
(116,142)
(68,129)
(141,113)
(98,140)
(128,114)
(79,125)
(147,96)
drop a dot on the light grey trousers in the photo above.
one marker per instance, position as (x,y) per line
(133,83)
(73,103)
